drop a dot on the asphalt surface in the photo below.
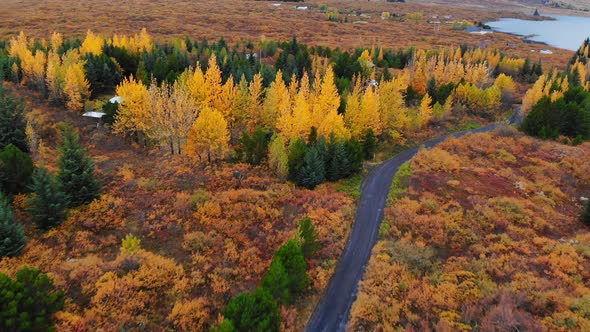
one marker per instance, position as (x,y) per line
(331,314)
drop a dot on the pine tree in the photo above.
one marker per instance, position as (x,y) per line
(276,282)
(291,257)
(76,170)
(16,168)
(369,145)
(297,151)
(29,302)
(312,172)
(12,122)
(48,203)
(309,238)
(12,236)
(586,214)
(256,311)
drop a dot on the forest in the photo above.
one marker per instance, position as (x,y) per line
(219,190)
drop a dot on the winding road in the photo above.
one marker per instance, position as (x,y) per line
(331,314)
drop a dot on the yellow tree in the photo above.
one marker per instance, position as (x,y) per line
(57,41)
(55,77)
(173,112)
(240,109)
(92,44)
(370,112)
(133,118)
(325,115)
(255,91)
(209,137)
(425,110)
(76,86)
(276,103)
(352,114)
(394,113)
(278,159)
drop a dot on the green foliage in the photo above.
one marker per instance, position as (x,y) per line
(47,205)
(569,116)
(12,237)
(352,186)
(130,244)
(254,149)
(276,282)
(309,238)
(399,185)
(29,302)
(110,110)
(247,312)
(313,171)
(76,170)
(338,165)
(369,145)
(291,256)
(102,73)
(12,122)
(225,326)
(16,168)
(297,152)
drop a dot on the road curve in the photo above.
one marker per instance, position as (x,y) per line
(331,314)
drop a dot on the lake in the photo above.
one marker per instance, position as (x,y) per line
(566,32)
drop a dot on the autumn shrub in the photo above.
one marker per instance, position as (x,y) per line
(190,315)
(400,183)
(435,159)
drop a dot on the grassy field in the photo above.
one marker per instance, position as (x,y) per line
(360,22)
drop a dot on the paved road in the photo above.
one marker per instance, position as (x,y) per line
(332,312)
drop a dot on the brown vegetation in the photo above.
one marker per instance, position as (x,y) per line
(489,235)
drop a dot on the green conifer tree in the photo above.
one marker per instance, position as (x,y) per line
(12,237)
(16,168)
(29,302)
(12,122)
(76,170)
(48,203)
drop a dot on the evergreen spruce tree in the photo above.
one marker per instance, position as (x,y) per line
(297,151)
(16,168)
(354,153)
(256,311)
(76,170)
(12,237)
(292,259)
(369,145)
(29,302)
(313,170)
(12,122)
(276,282)
(48,203)
(309,238)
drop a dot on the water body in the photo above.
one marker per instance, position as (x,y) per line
(566,32)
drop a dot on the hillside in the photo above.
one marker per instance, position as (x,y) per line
(483,231)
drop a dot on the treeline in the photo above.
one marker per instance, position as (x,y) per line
(202,99)
(558,104)
(48,196)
